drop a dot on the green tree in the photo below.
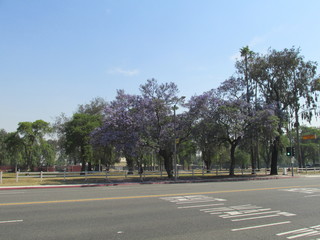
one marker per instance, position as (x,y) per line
(77,134)
(68,153)
(278,74)
(3,150)
(205,134)
(310,148)
(95,107)
(14,147)
(32,136)
(303,94)
(186,153)
(243,68)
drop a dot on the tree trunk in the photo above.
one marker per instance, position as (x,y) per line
(253,157)
(274,158)
(233,144)
(130,164)
(167,157)
(83,167)
(257,153)
(207,160)
(232,159)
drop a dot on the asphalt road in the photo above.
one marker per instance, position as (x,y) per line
(269,209)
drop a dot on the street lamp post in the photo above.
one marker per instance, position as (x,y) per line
(175,144)
(175,138)
(290,139)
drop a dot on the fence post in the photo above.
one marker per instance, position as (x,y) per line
(41,176)
(1,177)
(85,175)
(192,173)
(17,176)
(64,175)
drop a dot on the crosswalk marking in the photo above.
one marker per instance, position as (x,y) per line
(309,234)
(316,195)
(245,215)
(192,199)
(252,218)
(260,226)
(11,221)
(302,232)
(238,213)
(222,210)
(302,190)
(198,206)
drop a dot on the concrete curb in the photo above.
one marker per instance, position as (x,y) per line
(231,179)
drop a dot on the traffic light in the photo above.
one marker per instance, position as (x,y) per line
(288,152)
(292,151)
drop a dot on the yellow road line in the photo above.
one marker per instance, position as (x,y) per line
(150,196)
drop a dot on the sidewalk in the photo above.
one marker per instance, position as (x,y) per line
(154,181)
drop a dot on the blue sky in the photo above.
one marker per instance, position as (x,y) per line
(57,54)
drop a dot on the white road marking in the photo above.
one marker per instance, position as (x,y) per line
(245,215)
(313,233)
(196,206)
(260,226)
(200,201)
(294,231)
(313,195)
(232,208)
(302,232)
(245,219)
(265,216)
(234,213)
(11,221)
(302,190)
(179,200)
(11,192)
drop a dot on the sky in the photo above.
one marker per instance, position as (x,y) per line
(58,54)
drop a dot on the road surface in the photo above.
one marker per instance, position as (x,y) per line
(269,209)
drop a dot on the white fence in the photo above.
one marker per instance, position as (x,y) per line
(66,175)
(308,170)
(123,174)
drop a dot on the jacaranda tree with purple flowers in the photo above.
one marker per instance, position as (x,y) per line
(137,123)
